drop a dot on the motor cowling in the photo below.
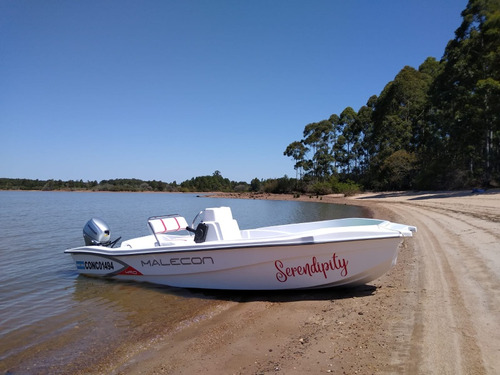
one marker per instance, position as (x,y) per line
(96,233)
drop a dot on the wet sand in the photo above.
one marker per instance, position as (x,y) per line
(436,312)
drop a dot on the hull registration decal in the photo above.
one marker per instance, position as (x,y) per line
(95,265)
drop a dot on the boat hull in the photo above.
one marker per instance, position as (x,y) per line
(265,267)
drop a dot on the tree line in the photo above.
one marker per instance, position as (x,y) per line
(214,183)
(121,184)
(435,127)
(199,184)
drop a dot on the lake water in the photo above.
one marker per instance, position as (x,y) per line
(53,321)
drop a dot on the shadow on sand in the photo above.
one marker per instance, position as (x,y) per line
(287,295)
(425,195)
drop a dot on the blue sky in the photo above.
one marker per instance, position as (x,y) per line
(169,90)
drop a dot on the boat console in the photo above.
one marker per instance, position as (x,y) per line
(220,224)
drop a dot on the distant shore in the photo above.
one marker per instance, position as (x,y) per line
(436,311)
(329,198)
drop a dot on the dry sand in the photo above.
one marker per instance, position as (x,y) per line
(436,312)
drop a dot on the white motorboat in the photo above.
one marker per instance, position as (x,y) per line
(218,255)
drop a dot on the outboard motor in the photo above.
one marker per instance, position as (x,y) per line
(96,233)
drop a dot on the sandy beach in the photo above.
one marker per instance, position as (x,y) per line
(436,312)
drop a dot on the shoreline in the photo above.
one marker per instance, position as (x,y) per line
(436,311)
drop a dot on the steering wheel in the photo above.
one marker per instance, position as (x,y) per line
(192,228)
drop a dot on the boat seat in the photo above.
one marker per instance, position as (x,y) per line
(161,225)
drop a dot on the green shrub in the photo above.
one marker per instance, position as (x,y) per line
(321,188)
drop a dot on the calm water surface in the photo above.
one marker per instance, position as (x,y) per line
(54,321)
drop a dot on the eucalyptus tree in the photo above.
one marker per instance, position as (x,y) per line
(429,137)
(335,142)
(467,93)
(318,136)
(351,132)
(398,112)
(424,128)
(297,150)
(364,118)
